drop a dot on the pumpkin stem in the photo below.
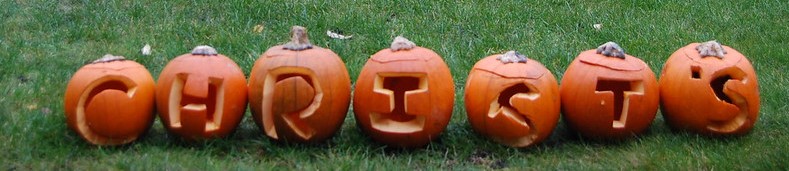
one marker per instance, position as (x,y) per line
(204,50)
(611,49)
(298,39)
(108,58)
(512,57)
(711,49)
(401,43)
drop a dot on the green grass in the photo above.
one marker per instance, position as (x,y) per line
(43,43)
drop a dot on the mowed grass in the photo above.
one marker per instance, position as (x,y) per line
(43,43)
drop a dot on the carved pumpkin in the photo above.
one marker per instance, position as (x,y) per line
(607,94)
(299,92)
(404,95)
(511,100)
(201,95)
(110,101)
(710,89)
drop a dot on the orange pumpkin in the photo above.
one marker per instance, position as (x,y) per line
(607,94)
(110,101)
(511,100)
(201,95)
(710,89)
(404,95)
(299,92)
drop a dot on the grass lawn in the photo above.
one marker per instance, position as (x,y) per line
(43,43)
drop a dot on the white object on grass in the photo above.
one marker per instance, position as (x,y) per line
(146,50)
(337,35)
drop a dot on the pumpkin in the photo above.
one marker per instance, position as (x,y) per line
(201,95)
(299,92)
(513,100)
(710,89)
(404,95)
(110,101)
(607,94)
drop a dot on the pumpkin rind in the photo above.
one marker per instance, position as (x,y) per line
(404,96)
(709,95)
(201,96)
(530,113)
(110,102)
(594,87)
(299,92)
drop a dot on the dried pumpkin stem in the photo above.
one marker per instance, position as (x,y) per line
(401,43)
(611,49)
(512,57)
(204,50)
(108,58)
(711,49)
(298,39)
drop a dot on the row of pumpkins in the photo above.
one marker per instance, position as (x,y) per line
(404,95)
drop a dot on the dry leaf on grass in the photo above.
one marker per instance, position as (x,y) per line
(258,28)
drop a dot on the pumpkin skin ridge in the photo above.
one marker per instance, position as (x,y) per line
(592,58)
(511,70)
(280,51)
(604,66)
(693,55)
(329,111)
(402,60)
(505,76)
(687,71)
(114,69)
(410,55)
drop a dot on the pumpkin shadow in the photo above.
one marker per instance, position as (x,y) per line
(715,137)
(708,137)
(564,134)
(73,139)
(347,137)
